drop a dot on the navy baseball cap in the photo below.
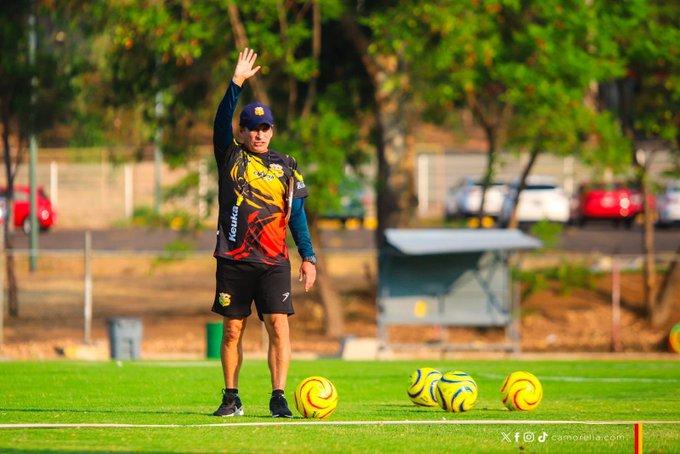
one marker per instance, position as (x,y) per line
(255,114)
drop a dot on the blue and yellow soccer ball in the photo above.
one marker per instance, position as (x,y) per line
(423,386)
(316,397)
(456,391)
(521,391)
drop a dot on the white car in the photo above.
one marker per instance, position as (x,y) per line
(465,198)
(541,199)
(668,204)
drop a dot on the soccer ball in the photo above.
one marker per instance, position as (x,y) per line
(422,390)
(456,391)
(316,397)
(521,391)
(674,339)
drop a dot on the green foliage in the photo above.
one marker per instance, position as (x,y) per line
(53,91)
(321,144)
(572,276)
(531,281)
(525,69)
(548,232)
(565,277)
(184,53)
(144,216)
(178,220)
(653,56)
(175,250)
(183,187)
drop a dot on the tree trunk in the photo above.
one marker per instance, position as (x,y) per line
(316,53)
(292,82)
(12,297)
(330,299)
(649,269)
(491,152)
(395,186)
(669,295)
(396,190)
(241,39)
(513,222)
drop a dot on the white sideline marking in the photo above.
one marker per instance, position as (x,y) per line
(563,378)
(557,378)
(466,422)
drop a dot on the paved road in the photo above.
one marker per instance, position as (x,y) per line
(596,238)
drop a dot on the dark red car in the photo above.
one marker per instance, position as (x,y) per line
(617,202)
(21,208)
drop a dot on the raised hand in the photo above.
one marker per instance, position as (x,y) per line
(244,67)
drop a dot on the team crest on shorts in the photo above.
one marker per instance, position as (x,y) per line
(225,299)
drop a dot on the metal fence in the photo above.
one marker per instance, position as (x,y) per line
(437,172)
(96,195)
(172,294)
(99,194)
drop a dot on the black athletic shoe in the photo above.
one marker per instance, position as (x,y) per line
(279,407)
(231,405)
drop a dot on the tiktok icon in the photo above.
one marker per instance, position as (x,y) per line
(526,437)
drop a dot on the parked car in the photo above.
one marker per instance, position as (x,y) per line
(465,198)
(352,202)
(21,208)
(619,202)
(541,199)
(668,204)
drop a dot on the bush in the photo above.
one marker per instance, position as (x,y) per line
(548,232)
(175,250)
(177,220)
(566,276)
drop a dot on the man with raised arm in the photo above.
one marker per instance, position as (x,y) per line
(261,193)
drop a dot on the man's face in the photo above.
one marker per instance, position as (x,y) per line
(257,140)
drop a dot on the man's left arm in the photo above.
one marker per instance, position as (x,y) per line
(300,231)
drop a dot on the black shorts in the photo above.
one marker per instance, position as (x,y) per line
(239,283)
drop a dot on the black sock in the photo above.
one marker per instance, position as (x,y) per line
(277,392)
(231,391)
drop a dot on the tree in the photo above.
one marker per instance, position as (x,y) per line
(382,46)
(566,50)
(17,114)
(180,49)
(160,56)
(309,126)
(15,76)
(650,115)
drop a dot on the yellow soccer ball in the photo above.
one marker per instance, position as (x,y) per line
(521,391)
(674,339)
(316,397)
(423,387)
(456,391)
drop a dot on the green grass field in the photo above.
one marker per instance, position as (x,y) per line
(183,394)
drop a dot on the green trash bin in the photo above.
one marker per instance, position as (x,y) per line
(213,332)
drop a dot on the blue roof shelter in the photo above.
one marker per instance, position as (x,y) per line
(449,277)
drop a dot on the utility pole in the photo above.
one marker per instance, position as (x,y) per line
(158,154)
(2,290)
(87,306)
(33,146)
